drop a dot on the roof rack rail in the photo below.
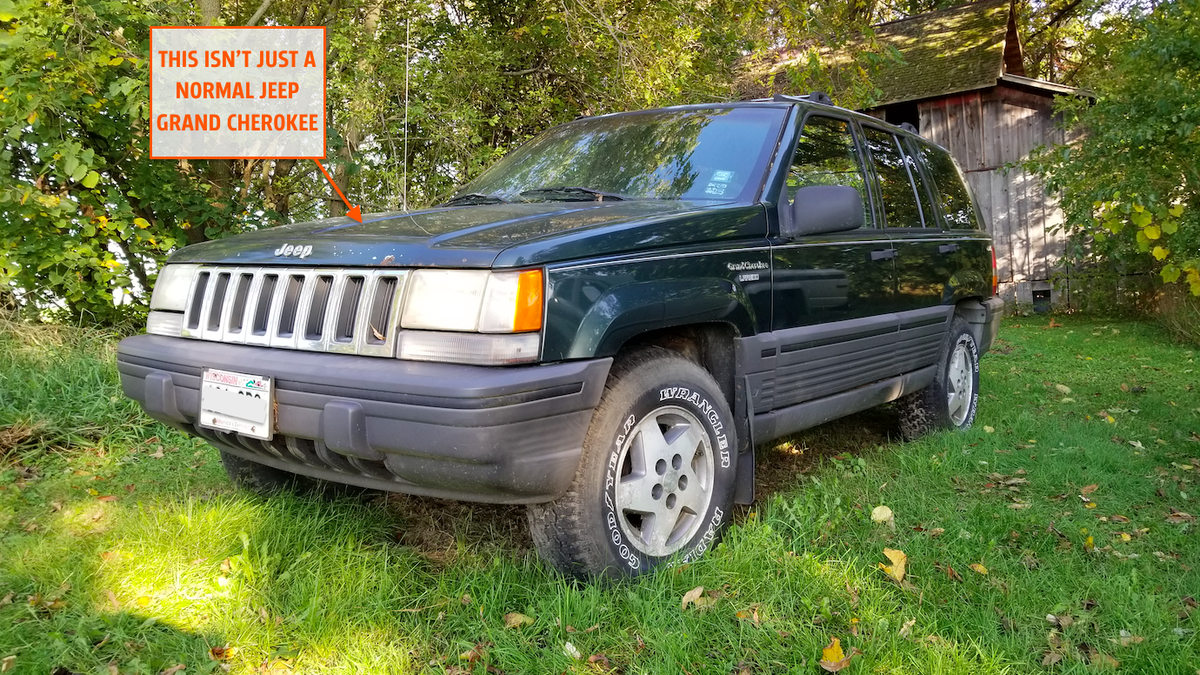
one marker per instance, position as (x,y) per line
(812,97)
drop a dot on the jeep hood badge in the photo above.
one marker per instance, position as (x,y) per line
(293,251)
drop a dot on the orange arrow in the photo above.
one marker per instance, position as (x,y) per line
(354,211)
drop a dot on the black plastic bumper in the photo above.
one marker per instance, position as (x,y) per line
(503,435)
(994,307)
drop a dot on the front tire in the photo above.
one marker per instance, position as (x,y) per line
(656,478)
(950,401)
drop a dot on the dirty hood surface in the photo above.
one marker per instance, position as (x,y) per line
(480,236)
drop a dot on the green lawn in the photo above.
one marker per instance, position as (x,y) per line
(123,549)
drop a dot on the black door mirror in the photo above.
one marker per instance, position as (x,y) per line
(820,209)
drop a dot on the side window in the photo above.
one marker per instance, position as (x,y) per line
(952,192)
(826,155)
(896,190)
(925,191)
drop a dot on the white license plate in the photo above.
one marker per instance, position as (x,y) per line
(236,402)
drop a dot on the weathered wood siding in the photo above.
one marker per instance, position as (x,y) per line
(988,132)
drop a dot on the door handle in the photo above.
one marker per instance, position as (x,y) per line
(948,248)
(883,254)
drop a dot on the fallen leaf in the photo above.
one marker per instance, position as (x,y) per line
(1120,519)
(517,619)
(906,629)
(1088,489)
(1127,639)
(7,600)
(1176,516)
(158,454)
(7,663)
(476,653)
(571,651)
(989,430)
(899,561)
(1051,658)
(691,597)
(375,332)
(953,574)
(750,614)
(221,653)
(1089,544)
(883,515)
(703,603)
(601,661)
(1063,389)
(173,669)
(937,532)
(832,657)
(978,568)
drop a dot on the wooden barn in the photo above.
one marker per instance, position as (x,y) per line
(962,84)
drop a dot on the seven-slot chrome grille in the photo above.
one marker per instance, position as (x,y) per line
(347,311)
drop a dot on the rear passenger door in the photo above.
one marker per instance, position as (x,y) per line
(910,221)
(920,247)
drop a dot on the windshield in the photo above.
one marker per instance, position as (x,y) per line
(716,154)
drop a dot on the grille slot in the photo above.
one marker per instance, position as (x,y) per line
(381,309)
(218,302)
(196,307)
(237,313)
(331,310)
(344,329)
(314,326)
(291,303)
(262,309)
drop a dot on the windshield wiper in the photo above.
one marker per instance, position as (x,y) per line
(474,198)
(573,194)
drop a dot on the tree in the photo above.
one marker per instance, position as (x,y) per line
(1131,186)
(422,96)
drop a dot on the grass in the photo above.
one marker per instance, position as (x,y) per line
(123,548)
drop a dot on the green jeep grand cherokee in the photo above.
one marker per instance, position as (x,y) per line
(601,326)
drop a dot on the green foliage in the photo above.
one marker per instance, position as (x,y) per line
(1131,185)
(422,96)
(83,213)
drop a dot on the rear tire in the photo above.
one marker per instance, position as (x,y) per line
(656,478)
(950,401)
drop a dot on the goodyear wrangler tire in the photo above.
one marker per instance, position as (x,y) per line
(656,479)
(950,401)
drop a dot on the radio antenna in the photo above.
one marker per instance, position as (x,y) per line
(407,61)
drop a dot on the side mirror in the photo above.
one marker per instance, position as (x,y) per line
(820,209)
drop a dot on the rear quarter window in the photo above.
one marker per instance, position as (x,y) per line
(953,196)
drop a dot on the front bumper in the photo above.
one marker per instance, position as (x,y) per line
(501,435)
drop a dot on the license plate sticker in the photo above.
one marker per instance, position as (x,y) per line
(236,402)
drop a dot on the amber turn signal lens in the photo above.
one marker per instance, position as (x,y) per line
(529,302)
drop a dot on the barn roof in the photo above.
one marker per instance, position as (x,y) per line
(948,51)
(952,50)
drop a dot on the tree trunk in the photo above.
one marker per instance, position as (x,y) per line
(210,11)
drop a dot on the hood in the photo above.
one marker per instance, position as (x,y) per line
(499,235)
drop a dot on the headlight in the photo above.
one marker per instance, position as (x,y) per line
(171,288)
(474,301)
